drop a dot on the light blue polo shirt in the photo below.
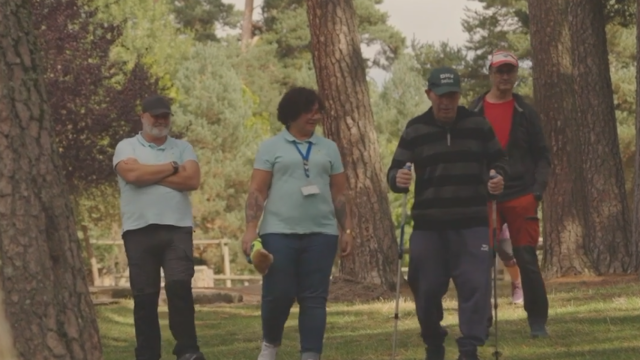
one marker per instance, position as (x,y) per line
(153,204)
(287,210)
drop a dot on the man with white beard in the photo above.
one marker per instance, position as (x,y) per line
(155,174)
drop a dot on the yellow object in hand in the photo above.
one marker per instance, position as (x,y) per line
(260,258)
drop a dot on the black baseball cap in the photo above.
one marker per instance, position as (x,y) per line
(156,105)
(443,80)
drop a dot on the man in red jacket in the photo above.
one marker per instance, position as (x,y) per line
(517,127)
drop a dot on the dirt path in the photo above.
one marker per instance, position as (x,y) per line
(341,290)
(346,290)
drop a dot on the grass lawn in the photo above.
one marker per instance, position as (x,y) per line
(590,319)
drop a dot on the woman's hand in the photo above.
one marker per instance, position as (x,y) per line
(346,244)
(247,239)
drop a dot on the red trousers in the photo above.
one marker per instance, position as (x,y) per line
(521,216)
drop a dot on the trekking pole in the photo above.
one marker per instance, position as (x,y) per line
(494,215)
(399,277)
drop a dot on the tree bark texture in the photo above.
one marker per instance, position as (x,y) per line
(636,179)
(341,77)
(247,24)
(46,294)
(7,350)
(563,227)
(603,201)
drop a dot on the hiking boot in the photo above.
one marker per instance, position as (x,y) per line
(268,352)
(517,296)
(194,356)
(468,357)
(538,331)
(435,352)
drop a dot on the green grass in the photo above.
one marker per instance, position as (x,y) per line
(587,321)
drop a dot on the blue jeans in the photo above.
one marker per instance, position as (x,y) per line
(301,271)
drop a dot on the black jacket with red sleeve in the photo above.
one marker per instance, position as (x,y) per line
(529,156)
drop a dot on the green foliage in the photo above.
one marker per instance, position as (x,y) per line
(401,98)
(147,35)
(203,18)
(97,210)
(216,119)
(260,71)
(375,31)
(287,26)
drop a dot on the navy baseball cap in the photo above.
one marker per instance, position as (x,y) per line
(443,80)
(156,105)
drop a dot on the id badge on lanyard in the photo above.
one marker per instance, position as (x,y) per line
(310,188)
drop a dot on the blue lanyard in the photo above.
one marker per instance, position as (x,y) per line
(305,158)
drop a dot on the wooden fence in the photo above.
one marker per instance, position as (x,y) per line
(227,276)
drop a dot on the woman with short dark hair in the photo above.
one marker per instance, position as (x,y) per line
(298,186)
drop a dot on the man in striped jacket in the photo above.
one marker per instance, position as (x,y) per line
(453,151)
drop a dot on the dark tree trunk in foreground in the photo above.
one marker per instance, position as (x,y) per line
(603,203)
(554,97)
(636,182)
(46,294)
(341,77)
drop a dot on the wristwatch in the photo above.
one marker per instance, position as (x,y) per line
(176,167)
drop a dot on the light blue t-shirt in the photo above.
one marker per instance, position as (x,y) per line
(287,210)
(153,204)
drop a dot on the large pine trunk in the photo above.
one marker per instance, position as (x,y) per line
(603,203)
(563,228)
(47,299)
(341,77)
(636,182)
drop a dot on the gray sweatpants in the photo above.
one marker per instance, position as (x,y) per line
(435,257)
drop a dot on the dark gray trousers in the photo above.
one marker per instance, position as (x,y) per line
(171,248)
(436,257)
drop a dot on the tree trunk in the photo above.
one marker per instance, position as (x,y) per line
(47,297)
(247,24)
(341,77)
(603,203)
(563,228)
(636,182)
(7,351)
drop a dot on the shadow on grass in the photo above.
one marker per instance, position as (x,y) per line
(353,333)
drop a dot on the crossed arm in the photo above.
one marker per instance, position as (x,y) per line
(186,179)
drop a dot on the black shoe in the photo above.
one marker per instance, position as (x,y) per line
(192,356)
(468,357)
(538,329)
(435,352)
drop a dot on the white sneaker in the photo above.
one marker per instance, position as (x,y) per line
(268,352)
